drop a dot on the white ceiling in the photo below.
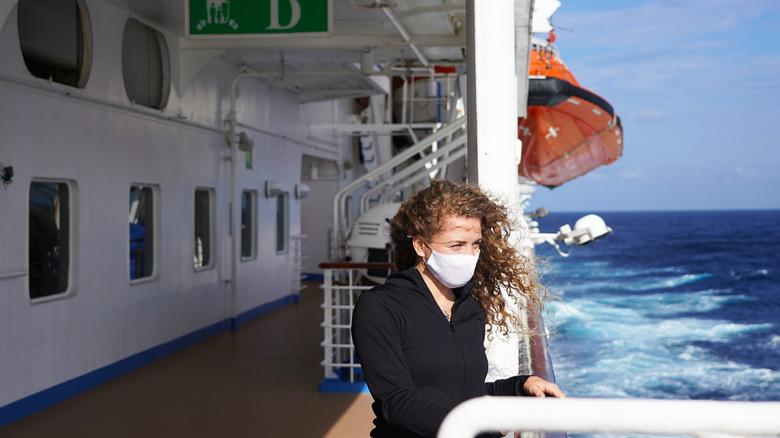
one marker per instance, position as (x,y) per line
(434,29)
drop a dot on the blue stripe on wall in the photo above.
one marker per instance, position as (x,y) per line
(48,397)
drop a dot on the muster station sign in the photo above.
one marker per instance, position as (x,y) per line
(251,18)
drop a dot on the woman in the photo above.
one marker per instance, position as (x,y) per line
(420,336)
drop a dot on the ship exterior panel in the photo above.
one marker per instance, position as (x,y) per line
(82,155)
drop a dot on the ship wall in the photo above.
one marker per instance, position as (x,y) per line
(101,144)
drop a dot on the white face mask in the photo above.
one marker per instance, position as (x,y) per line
(452,270)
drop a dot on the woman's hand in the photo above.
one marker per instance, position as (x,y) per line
(538,387)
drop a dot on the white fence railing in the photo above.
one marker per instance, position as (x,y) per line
(297,264)
(340,289)
(702,418)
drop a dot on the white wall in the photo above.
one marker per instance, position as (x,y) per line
(102,144)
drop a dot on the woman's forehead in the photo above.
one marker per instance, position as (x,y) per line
(460,224)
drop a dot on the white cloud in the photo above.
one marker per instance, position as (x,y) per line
(650,115)
(686,52)
(661,21)
(690,80)
(631,173)
(748,173)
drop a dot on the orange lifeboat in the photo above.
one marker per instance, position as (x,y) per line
(568,131)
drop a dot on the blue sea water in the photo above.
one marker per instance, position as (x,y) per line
(671,305)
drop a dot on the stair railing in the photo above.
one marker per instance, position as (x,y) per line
(340,228)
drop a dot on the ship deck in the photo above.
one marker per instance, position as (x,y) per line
(259,380)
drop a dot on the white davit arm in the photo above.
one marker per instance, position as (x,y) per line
(586,230)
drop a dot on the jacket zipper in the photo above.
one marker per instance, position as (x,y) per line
(462,362)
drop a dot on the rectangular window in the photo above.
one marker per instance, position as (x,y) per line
(204,228)
(142,231)
(282,219)
(49,238)
(248,224)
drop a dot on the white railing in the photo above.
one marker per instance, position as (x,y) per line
(446,145)
(702,418)
(297,264)
(411,175)
(340,289)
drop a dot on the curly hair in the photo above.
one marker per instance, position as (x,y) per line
(500,265)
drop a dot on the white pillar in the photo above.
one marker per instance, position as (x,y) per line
(492,104)
(492,101)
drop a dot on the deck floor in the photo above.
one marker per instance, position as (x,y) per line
(258,381)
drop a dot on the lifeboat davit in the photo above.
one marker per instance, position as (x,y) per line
(568,131)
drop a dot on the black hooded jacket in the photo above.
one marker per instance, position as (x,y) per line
(419,366)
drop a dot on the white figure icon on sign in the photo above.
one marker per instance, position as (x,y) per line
(218,12)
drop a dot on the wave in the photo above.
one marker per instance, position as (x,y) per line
(666,283)
(604,270)
(759,273)
(633,307)
(666,304)
(649,318)
(703,330)
(694,315)
(638,285)
(647,369)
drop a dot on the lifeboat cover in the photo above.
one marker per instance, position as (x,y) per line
(567,132)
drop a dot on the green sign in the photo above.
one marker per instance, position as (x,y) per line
(248,159)
(257,17)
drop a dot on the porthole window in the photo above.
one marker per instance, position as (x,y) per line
(55,38)
(145,65)
(49,238)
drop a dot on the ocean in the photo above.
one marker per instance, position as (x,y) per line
(671,305)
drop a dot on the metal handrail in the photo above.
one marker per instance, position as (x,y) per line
(338,208)
(453,150)
(702,418)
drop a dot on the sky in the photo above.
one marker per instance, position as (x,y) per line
(696,84)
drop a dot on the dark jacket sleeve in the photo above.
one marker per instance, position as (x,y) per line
(377,335)
(510,386)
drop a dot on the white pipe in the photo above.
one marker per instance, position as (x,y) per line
(336,73)
(703,418)
(132,109)
(292,140)
(404,100)
(405,34)
(234,216)
(379,128)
